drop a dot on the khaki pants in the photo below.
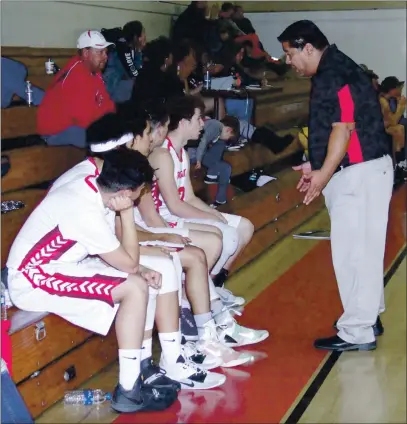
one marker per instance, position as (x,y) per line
(358,200)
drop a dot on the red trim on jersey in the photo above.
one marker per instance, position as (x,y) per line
(348,115)
(97,287)
(50,248)
(171,146)
(95,175)
(155,193)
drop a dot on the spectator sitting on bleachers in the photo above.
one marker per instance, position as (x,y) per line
(393,105)
(125,62)
(210,151)
(156,82)
(13,75)
(241,21)
(77,96)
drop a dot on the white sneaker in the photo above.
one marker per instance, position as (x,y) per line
(206,361)
(228,298)
(232,334)
(209,344)
(190,376)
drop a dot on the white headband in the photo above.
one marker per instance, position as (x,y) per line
(111,144)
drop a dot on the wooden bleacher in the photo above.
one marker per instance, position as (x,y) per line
(275,209)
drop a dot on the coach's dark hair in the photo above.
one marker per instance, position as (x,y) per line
(183,108)
(124,169)
(303,32)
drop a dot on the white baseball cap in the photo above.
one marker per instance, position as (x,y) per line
(93,39)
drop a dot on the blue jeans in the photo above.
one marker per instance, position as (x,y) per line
(242,110)
(218,167)
(75,136)
(122,91)
(13,409)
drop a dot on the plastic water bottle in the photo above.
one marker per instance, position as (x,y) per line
(28,93)
(207,80)
(49,66)
(3,302)
(86,397)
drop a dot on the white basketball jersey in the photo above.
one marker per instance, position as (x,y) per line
(181,168)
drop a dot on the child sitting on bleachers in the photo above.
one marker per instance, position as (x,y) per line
(217,136)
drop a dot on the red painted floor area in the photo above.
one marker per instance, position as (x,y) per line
(297,308)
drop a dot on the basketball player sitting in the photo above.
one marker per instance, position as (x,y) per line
(201,293)
(173,193)
(164,304)
(79,270)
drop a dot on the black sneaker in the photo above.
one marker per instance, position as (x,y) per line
(220,279)
(153,376)
(210,180)
(142,398)
(188,325)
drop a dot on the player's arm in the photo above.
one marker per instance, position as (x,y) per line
(162,162)
(148,212)
(337,146)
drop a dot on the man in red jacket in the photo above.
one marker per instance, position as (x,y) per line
(77,96)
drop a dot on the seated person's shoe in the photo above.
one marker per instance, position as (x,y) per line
(209,179)
(228,298)
(141,398)
(220,278)
(154,377)
(188,325)
(190,376)
(339,345)
(378,328)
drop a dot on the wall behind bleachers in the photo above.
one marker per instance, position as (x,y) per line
(376,38)
(58,23)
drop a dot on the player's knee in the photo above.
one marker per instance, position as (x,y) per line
(169,278)
(230,239)
(216,242)
(193,255)
(137,287)
(245,230)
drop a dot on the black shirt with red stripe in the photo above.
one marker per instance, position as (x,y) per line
(342,92)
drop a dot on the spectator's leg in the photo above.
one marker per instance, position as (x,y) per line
(213,157)
(225,171)
(241,109)
(74,136)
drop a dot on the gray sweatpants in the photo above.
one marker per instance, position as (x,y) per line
(358,200)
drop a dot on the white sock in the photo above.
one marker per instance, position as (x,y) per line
(146,349)
(201,320)
(129,364)
(185,304)
(171,346)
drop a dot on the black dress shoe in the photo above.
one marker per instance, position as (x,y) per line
(339,345)
(378,328)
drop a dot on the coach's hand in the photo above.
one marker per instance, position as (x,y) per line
(153,278)
(306,170)
(316,182)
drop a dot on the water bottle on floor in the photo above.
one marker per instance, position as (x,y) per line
(28,93)
(86,397)
(253,176)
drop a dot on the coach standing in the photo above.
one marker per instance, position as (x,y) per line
(350,163)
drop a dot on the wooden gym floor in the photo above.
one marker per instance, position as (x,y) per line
(291,291)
